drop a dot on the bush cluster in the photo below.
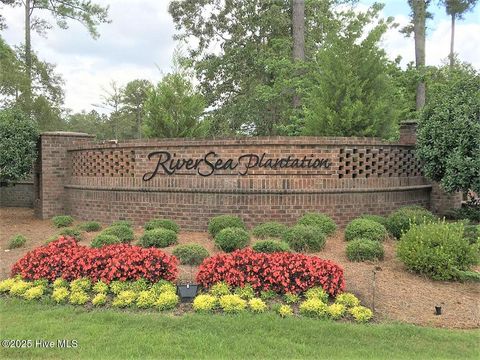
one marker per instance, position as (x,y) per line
(65,258)
(305,238)
(218,223)
(158,237)
(438,250)
(190,254)
(232,238)
(321,221)
(62,221)
(364,249)
(90,226)
(103,240)
(377,218)
(365,229)
(123,232)
(270,246)
(292,273)
(400,221)
(71,232)
(270,229)
(162,223)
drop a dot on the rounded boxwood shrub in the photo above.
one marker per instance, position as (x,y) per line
(321,221)
(232,238)
(126,223)
(218,223)
(104,239)
(161,223)
(400,221)
(158,238)
(72,232)
(364,249)
(62,221)
(438,250)
(377,218)
(270,246)
(271,229)
(190,254)
(90,226)
(17,241)
(305,238)
(123,232)
(365,229)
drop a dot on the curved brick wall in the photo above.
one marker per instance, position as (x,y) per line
(343,177)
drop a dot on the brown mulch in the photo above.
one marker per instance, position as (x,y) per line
(399,295)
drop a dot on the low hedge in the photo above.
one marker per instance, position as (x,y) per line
(377,218)
(103,240)
(305,238)
(271,229)
(270,246)
(321,221)
(72,232)
(190,254)
(232,238)
(162,223)
(90,226)
(438,250)
(62,221)
(159,238)
(400,221)
(292,273)
(123,232)
(218,223)
(364,249)
(365,229)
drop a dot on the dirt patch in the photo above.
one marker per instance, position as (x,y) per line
(399,295)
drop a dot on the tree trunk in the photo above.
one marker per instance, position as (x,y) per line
(419,25)
(452,42)
(298,34)
(28,54)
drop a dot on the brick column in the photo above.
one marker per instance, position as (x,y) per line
(408,132)
(51,171)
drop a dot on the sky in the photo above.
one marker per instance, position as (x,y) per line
(138,44)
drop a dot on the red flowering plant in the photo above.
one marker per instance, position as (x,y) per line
(281,272)
(65,258)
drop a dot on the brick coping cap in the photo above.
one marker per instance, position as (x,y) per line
(66,133)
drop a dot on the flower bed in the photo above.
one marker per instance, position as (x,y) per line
(66,259)
(280,272)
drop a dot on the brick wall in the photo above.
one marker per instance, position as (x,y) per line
(19,194)
(105,181)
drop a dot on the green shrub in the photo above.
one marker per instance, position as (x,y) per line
(220,288)
(34,293)
(290,298)
(72,232)
(82,284)
(232,238)
(17,241)
(268,294)
(365,229)
(257,305)
(124,299)
(146,299)
(270,246)
(270,229)
(162,223)
(316,292)
(99,299)
(60,294)
(62,221)
(377,218)
(364,249)
(163,286)
(78,298)
(122,232)
(166,301)
(246,292)
(313,308)
(472,233)
(103,240)
(305,238)
(321,221)
(204,303)
(336,311)
(126,223)
(361,314)
(285,310)
(347,299)
(232,304)
(400,221)
(218,223)
(100,287)
(60,282)
(190,254)
(437,250)
(90,226)
(158,238)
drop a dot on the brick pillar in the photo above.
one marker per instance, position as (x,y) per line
(51,171)
(440,201)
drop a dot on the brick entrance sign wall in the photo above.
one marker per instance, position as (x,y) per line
(259,179)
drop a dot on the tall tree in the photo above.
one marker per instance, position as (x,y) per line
(83,11)
(134,96)
(456,9)
(418,26)
(298,34)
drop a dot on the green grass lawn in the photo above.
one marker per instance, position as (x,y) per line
(113,334)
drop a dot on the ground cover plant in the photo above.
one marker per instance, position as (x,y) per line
(439,250)
(281,272)
(65,258)
(90,226)
(17,241)
(62,221)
